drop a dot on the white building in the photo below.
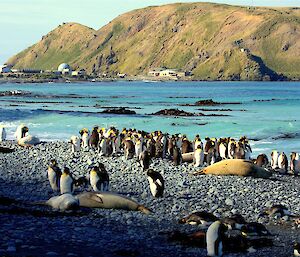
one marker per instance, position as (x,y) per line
(78,73)
(64,68)
(166,73)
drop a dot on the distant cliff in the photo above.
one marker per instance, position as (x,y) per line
(214,41)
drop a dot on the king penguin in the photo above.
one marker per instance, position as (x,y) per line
(99,178)
(156,182)
(214,239)
(54,174)
(66,182)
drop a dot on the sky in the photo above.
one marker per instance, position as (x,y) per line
(24,22)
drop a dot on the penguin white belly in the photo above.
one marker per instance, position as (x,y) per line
(281,162)
(199,158)
(222,150)
(212,238)
(94,180)
(153,187)
(52,179)
(274,160)
(103,147)
(18,133)
(138,149)
(66,185)
(296,252)
(85,141)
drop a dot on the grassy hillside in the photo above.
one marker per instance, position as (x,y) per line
(214,41)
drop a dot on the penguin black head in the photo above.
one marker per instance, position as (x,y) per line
(151,172)
(101,167)
(81,182)
(66,170)
(53,162)
(96,168)
(154,174)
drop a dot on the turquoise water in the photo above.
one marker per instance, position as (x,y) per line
(57,111)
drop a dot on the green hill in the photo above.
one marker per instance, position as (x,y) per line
(214,41)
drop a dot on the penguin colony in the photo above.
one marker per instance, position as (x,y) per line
(214,232)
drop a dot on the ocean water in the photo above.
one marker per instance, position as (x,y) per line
(268,112)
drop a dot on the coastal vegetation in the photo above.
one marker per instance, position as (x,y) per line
(212,41)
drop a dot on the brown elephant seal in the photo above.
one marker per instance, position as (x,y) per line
(235,167)
(108,200)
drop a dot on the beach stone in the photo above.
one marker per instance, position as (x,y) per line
(52,254)
(11,249)
(229,202)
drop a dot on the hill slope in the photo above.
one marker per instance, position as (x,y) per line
(214,41)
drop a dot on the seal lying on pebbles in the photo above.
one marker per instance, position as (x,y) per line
(63,202)
(235,167)
(276,209)
(107,200)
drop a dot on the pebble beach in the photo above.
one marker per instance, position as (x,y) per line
(41,231)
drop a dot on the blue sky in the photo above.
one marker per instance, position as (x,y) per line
(24,22)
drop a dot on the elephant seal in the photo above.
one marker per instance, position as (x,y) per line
(236,167)
(107,200)
(63,202)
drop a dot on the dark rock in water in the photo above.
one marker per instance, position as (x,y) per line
(14,93)
(286,136)
(176,112)
(114,107)
(215,110)
(209,102)
(120,110)
(264,100)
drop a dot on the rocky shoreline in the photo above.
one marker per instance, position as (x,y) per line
(100,232)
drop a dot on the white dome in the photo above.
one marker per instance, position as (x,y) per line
(63,66)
